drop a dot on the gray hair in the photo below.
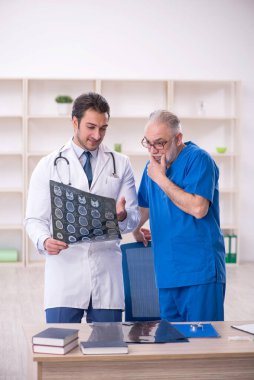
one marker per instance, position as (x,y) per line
(166,117)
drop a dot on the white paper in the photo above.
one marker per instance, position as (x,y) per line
(247,328)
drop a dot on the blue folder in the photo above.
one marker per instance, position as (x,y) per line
(195,330)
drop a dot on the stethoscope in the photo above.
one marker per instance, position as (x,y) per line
(60,157)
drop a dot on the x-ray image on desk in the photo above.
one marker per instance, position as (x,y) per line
(152,332)
(79,216)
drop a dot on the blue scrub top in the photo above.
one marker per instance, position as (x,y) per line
(187,251)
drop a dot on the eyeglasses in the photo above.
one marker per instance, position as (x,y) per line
(157,145)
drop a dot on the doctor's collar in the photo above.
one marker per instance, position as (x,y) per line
(79,151)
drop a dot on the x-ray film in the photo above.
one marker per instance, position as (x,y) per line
(78,216)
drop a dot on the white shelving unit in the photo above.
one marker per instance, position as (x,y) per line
(30,128)
(12,171)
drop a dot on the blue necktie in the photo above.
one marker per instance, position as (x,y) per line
(88,168)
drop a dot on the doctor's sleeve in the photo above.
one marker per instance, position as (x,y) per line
(38,210)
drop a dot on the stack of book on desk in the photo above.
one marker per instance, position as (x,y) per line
(55,340)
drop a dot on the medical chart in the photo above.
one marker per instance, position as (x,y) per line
(79,216)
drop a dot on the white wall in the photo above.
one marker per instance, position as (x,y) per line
(180,39)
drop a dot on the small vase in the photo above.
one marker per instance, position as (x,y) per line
(63,108)
(118,147)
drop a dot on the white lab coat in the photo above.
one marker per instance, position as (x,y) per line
(84,269)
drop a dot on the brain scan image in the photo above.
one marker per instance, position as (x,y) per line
(59,225)
(82,200)
(109,215)
(70,217)
(59,235)
(97,232)
(112,231)
(96,223)
(84,238)
(100,238)
(69,195)
(57,191)
(84,231)
(83,221)
(58,213)
(70,206)
(58,202)
(95,214)
(82,210)
(71,229)
(95,203)
(110,224)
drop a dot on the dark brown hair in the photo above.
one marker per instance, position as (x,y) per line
(87,101)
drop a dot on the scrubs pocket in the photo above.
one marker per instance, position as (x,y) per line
(191,254)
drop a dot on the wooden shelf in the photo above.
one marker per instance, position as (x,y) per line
(11,227)
(2,153)
(231,227)
(11,190)
(37,154)
(228,190)
(208,118)
(68,117)
(11,116)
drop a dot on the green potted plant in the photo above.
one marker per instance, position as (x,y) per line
(63,104)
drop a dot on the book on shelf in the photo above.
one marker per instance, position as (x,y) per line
(103,347)
(227,247)
(55,336)
(233,248)
(60,350)
(105,338)
(8,255)
(230,241)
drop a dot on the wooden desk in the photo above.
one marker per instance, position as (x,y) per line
(209,359)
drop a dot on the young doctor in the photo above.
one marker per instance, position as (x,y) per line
(83,279)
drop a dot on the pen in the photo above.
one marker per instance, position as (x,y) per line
(240,337)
